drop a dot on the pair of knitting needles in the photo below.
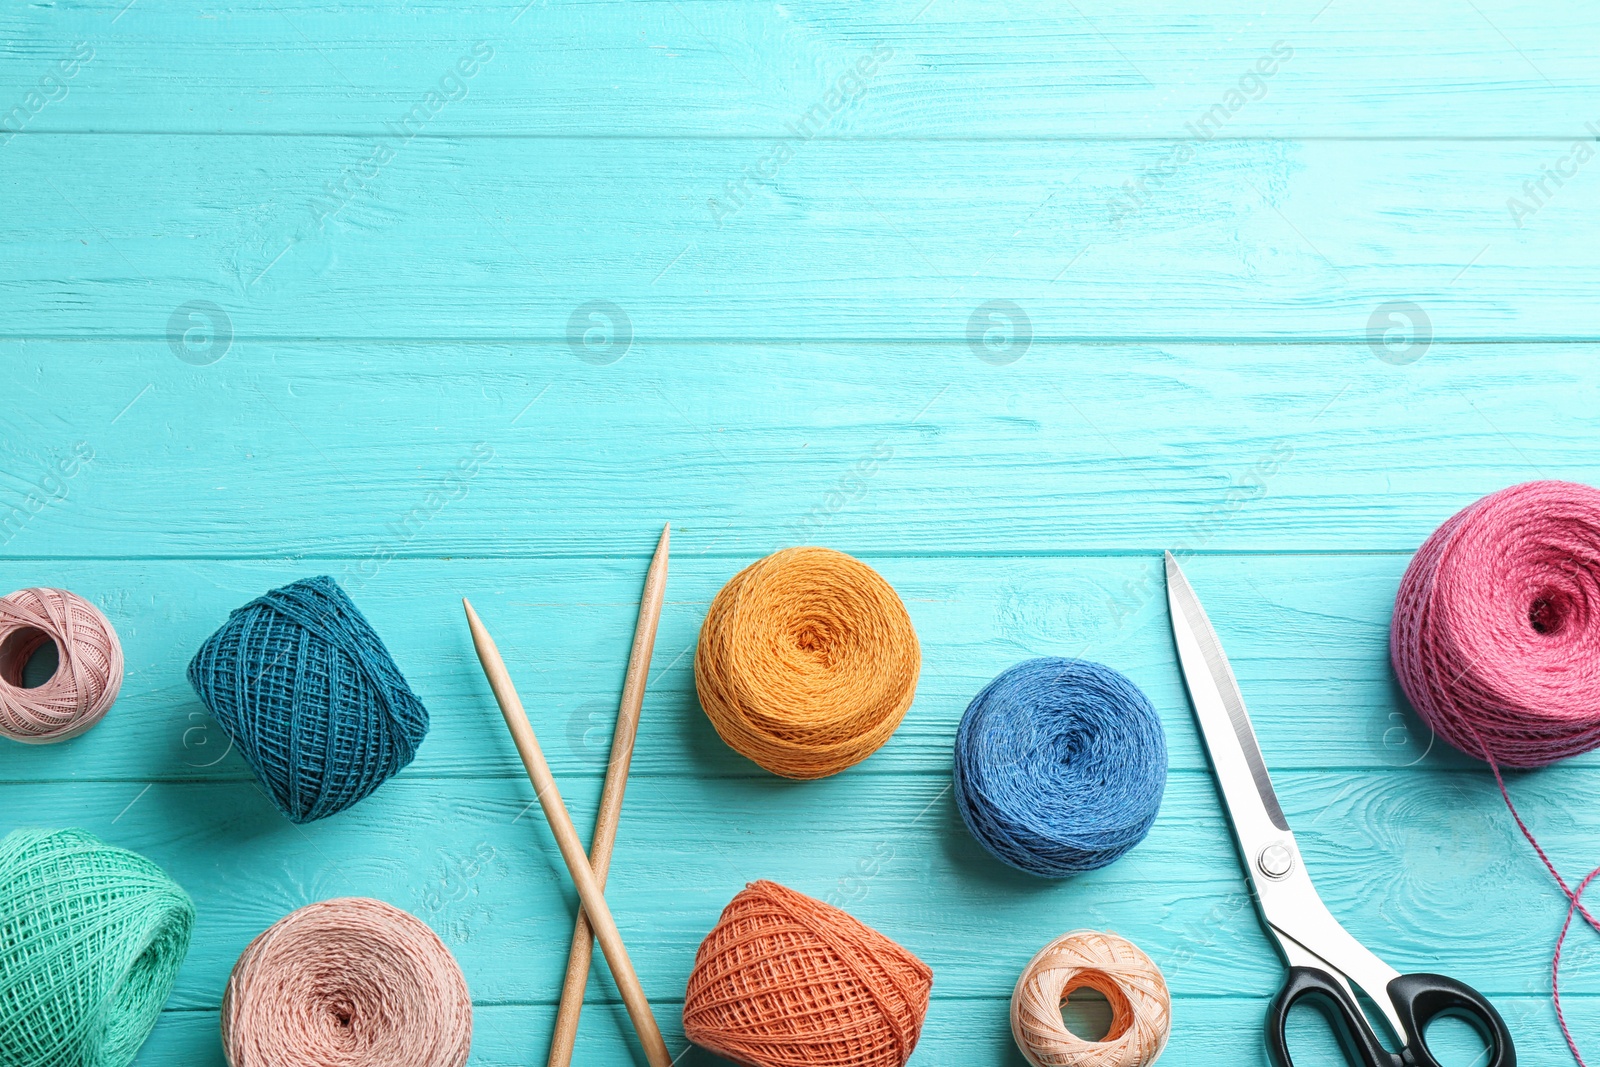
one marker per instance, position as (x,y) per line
(589,872)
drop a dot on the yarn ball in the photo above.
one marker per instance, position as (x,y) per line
(807,662)
(88,671)
(1134,988)
(347,983)
(304,686)
(91,938)
(787,981)
(1060,765)
(1496,631)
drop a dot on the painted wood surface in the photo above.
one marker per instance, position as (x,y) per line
(1031,299)
(1027,69)
(335,237)
(380,451)
(961,1031)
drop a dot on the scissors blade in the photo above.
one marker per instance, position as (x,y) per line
(1306,932)
(1218,704)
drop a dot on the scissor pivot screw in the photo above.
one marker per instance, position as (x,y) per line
(1276,861)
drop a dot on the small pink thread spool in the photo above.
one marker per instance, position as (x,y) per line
(88,672)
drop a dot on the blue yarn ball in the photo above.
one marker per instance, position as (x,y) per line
(1060,766)
(304,687)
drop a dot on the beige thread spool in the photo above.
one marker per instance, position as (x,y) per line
(1141,1008)
(88,674)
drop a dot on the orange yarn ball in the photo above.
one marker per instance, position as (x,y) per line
(807,662)
(788,981)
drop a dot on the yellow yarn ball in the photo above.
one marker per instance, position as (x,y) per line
(807,662)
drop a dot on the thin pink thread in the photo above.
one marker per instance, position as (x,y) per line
(1496,641)
(88,673)
(1574,903)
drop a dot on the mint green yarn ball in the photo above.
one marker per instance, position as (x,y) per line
(91,938)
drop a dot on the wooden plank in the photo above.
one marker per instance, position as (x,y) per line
(428,389)
(1424,866)
(1308,637)
(373,451)
(1209,1032)
(514,239)
(955,69)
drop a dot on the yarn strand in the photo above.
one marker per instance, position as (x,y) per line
(1574,904)
(1496,642)
(1555,963)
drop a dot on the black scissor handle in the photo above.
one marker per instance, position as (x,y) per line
(1360,1044)
(1417,998)
(1421,998)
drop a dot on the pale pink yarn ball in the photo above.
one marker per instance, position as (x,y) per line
(347,983)
(88,673)
(1114,967)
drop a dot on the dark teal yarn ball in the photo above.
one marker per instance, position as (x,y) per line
(1060,766)
(304,687)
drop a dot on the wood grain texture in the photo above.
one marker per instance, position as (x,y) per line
(960,1031)
(1307,635)
(1418,866)
(505,238)
(618,762)
(375,452)
(591,895)
(713,68)
(485,347)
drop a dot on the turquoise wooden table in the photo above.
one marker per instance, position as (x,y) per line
(466,299)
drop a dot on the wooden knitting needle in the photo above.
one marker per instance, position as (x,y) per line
(555,812)
(605,828)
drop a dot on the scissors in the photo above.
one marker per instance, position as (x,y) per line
(1325,962)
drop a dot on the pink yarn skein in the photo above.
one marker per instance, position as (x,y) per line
(88,673)
(352,982)
(1496,641)
(1496,634)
